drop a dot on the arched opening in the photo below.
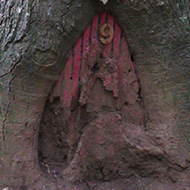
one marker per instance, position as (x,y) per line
(95,98)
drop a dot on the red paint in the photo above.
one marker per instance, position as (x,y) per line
(116,40)
(85,47)
(88,50)
(94,28)
(67,75)
(102,18)
(76,70)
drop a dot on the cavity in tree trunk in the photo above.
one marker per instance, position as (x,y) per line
(83,110)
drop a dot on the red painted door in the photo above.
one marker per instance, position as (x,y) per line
(92,60)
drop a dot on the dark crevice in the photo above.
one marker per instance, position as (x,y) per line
(96,67)
(132,58)
(101,55)
(56,100)
(53,147)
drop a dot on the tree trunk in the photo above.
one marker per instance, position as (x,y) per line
(36,37)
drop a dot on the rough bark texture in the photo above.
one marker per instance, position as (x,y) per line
(36,37)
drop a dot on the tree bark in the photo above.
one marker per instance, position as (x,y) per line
(32,33)
(36,37)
